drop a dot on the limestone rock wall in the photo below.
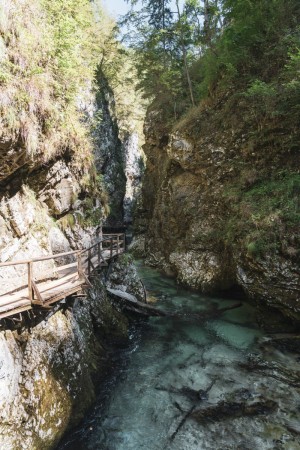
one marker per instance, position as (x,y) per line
(134,170)
(118,154)
(109,154)
(191,221)
(43,207)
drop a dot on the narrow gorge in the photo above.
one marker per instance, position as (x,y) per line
(172,137)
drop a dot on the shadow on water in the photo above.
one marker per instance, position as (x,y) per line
(185,385)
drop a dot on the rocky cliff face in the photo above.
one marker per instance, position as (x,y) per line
(134,170)
(118,154)
(219,203)
(109,155)
(46,207)
(49,370)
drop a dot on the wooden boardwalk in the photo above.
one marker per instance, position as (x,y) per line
(65,280)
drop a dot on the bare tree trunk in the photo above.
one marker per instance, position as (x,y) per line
(164,27)
(206,25)
(188,75)
(184,54)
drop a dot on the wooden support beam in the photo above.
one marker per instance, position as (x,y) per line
(79,265)
(87,280)
(37,292)
(30,276)
(89,262)
(111,248)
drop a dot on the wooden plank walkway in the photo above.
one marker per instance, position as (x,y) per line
(66,279)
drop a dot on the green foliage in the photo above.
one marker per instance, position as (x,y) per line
(166,38)
(67,221)
(126,259)
(260,89)
(261,214)
(118,65)
(94,205)
(206,47)
(71,45)
(47,58)
(276,199)
(262,245)
(254,45)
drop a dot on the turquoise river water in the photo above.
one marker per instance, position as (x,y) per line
(144,404)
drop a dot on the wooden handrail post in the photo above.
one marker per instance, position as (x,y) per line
(79,265)
(111,247)
(29,270)
(99,254)
(89,262)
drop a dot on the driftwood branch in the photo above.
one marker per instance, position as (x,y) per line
(192,394)
(182,422)
(210,314)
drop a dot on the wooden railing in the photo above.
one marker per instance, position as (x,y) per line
(86,261)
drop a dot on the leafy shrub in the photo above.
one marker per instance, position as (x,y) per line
(47,58)
(260,215)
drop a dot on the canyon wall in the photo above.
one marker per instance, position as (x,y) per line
(221,204)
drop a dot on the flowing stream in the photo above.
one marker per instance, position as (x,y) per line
(176,365)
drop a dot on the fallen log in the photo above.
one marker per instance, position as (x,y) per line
(176,404)
(131,303)
(194,395)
